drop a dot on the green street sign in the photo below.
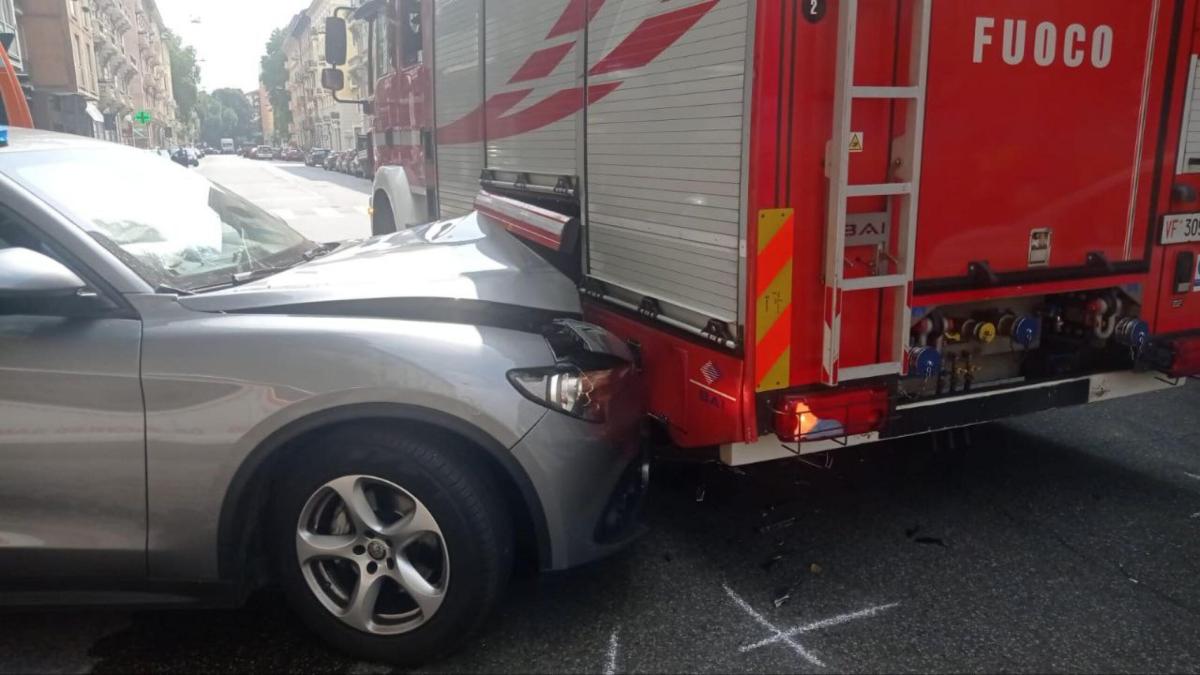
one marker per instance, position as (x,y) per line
(142,117)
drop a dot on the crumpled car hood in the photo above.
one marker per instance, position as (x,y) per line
(464,262)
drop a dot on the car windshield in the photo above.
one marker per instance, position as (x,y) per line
(169,224)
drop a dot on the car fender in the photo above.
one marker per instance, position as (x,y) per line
(274,435)
(210,410)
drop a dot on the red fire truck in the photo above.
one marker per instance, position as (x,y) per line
(823,222)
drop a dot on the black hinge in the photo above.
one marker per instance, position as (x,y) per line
(650,308)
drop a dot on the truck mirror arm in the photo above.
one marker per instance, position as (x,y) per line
(367,104)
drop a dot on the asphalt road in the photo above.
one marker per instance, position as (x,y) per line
(322,205)
(1060,542)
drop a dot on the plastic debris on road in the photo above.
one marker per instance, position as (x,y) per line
(782,596)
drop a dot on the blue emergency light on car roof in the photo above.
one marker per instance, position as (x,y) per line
(3,137)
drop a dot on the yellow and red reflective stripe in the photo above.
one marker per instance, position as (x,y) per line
(773,293)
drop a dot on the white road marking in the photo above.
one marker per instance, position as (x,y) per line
(1191,475)
(762,621)
(614,649)
(786,636)
(825,623)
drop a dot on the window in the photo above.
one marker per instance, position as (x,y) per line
(410,27)
(385,43)
(95,74)
(78,64)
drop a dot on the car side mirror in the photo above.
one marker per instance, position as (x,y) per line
(25,273)
(333,79)
(335,41)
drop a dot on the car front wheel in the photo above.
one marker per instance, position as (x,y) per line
(392,548)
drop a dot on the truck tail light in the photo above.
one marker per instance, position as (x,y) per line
(1185,360)
(1177,358)
(819,416)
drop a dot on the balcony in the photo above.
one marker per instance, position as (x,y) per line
(150,52)
(110,96)
(106,49)
(114,10)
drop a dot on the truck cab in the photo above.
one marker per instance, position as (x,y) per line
(400,146)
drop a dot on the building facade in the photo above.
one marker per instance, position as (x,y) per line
(99,68)
(157,95)
(266,114)
(58,57)
(317,119)
(301,82)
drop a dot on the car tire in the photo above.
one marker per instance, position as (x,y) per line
(383,218)
(472,525)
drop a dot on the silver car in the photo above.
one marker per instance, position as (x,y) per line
(196,400)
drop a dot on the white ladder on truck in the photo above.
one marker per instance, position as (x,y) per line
(904,193)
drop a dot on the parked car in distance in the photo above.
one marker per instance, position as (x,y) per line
(330,161)
(365,437)
(316,157)
(264,152)
(293,155)
(248,151)
(185,157)
(344,161)
(363,167)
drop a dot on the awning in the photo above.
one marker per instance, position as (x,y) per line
(94,112)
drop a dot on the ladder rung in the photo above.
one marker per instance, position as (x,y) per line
(879,190)
(885,92)
(867,372)
(875,283)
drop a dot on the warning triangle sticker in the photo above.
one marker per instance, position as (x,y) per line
(856,142)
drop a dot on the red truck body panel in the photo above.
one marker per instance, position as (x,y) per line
(1057,137)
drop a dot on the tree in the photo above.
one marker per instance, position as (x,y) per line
(217,120)
(185,76)
(274,76)
(243,117)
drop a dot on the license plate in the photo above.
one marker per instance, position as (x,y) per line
(1181,228)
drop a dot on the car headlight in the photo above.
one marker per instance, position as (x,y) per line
(568,389)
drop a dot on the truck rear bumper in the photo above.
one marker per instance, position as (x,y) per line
(965,410)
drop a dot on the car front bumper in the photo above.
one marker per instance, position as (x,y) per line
(591,480)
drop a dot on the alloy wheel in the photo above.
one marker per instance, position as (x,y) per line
(372,554)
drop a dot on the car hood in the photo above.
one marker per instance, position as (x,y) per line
(450,270)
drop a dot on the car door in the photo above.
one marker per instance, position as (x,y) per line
(72,429)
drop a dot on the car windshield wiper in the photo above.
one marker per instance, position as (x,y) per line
(240,278)
(167,288)
(323,249)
